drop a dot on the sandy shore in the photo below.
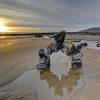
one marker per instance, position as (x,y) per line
(91,76)
(18,56)
(83,37)
(19,79)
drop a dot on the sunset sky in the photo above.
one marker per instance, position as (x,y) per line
(48,15)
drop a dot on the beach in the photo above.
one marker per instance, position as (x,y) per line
(20,80)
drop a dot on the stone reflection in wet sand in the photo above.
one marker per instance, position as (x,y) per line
(69,82)
(42,85)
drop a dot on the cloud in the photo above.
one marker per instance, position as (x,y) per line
(53,14)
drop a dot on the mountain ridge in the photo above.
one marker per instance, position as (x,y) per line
(92,30)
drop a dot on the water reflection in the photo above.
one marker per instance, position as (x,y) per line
(58,83)
(68,82)
(44,85)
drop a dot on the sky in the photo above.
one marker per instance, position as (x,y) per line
(49,15)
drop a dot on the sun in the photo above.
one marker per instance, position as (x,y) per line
(4,25)
(3,28)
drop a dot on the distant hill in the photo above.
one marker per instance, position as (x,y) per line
(92,30)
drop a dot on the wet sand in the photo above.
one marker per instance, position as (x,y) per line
(20,80)
(58,83)
(91,76)
(18,57)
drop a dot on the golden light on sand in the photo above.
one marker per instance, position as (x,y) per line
(2,37)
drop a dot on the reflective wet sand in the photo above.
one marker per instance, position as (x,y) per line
(19,80)
(58,83)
